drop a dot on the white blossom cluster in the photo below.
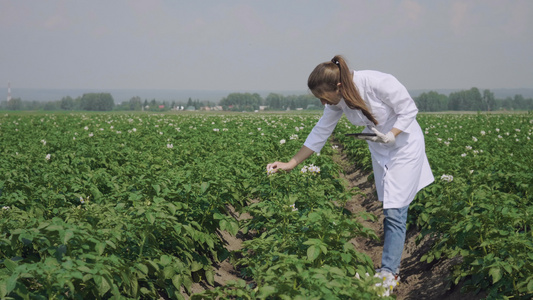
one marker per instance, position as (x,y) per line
(293,206)
(447,178)
(311,169)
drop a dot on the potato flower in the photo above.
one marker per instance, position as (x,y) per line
(447,178)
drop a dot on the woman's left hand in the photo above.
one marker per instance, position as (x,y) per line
(388,138)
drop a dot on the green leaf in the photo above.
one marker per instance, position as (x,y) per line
(85,269)
(169,272)
(111,244)
(102,284)
(313,252)
(204,187)
(233,228)
(530,285)
(196,266)
(210,277)
(99,247)
(68,235)
(508,268)
(150,217)
(496,274)
(176,281)
(11,283)
(142,268)
(165,260)
(266,291)
(10,265)
(157,188)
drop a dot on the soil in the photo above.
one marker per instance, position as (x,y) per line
(419,280)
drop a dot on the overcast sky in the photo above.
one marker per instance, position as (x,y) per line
(262,45)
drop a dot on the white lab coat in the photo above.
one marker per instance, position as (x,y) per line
(400,169)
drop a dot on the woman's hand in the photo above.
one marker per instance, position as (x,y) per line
(388,138)
(278,165)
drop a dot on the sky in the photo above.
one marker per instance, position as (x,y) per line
(262,45)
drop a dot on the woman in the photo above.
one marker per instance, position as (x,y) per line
(382,104)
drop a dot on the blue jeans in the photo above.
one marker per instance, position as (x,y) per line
(394,227)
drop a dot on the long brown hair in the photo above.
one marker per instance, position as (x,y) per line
(325,77)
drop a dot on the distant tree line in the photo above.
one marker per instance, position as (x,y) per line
(252,102)
(470,100)
(89,102)
(465,100)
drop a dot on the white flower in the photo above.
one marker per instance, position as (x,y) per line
(216,129)
(497,129)
(439,140)
(517,130)
(293,206)
(294,137)
(471,171)
(314,169)
(6,207)
(161,133)
(170,146)
(463,155)
(44,142)
(304,169)
(499,136)
(86,128)
(446,143)
(271,171)
(334,147)
(91,134)
(474,139)
(258,129)
(134,129)
(447,178)
(483,132)
(468,147)
(282,142)
(47,157)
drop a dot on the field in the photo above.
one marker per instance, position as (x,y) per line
(141,206)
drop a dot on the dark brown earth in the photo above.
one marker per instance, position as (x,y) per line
(419,280)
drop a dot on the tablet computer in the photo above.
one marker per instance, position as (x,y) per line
(360,134)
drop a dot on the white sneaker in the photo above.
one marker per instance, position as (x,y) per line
(389,281)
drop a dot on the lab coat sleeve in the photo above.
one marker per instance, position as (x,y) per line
(396,96)
(323,128)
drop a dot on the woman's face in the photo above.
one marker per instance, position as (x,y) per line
(331,98)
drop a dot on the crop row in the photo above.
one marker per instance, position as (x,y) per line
(130,206)
(480,207)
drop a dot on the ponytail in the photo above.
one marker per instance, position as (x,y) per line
(325,78)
